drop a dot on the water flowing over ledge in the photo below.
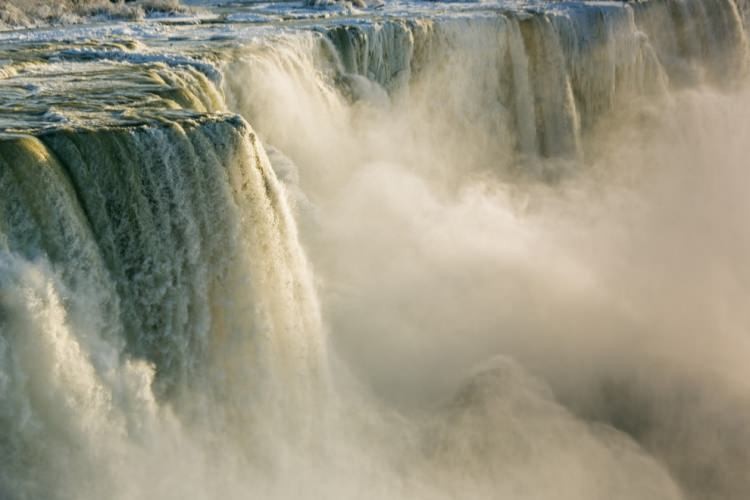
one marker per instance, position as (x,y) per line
(142,263)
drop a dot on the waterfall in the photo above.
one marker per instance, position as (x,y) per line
(142,265)
(164,200)
(539,81)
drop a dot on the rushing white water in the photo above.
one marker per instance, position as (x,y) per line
(527,229)
(15,13)
(167,245)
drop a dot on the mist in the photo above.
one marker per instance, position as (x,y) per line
(579,320)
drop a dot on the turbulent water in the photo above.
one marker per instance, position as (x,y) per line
(16,13)
(415,250)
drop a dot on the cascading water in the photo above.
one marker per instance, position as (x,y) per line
(503,273)
(167,244)
(537,81)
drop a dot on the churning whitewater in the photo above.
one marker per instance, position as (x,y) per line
(400,249)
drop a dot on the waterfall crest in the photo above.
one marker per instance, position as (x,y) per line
(538,81)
